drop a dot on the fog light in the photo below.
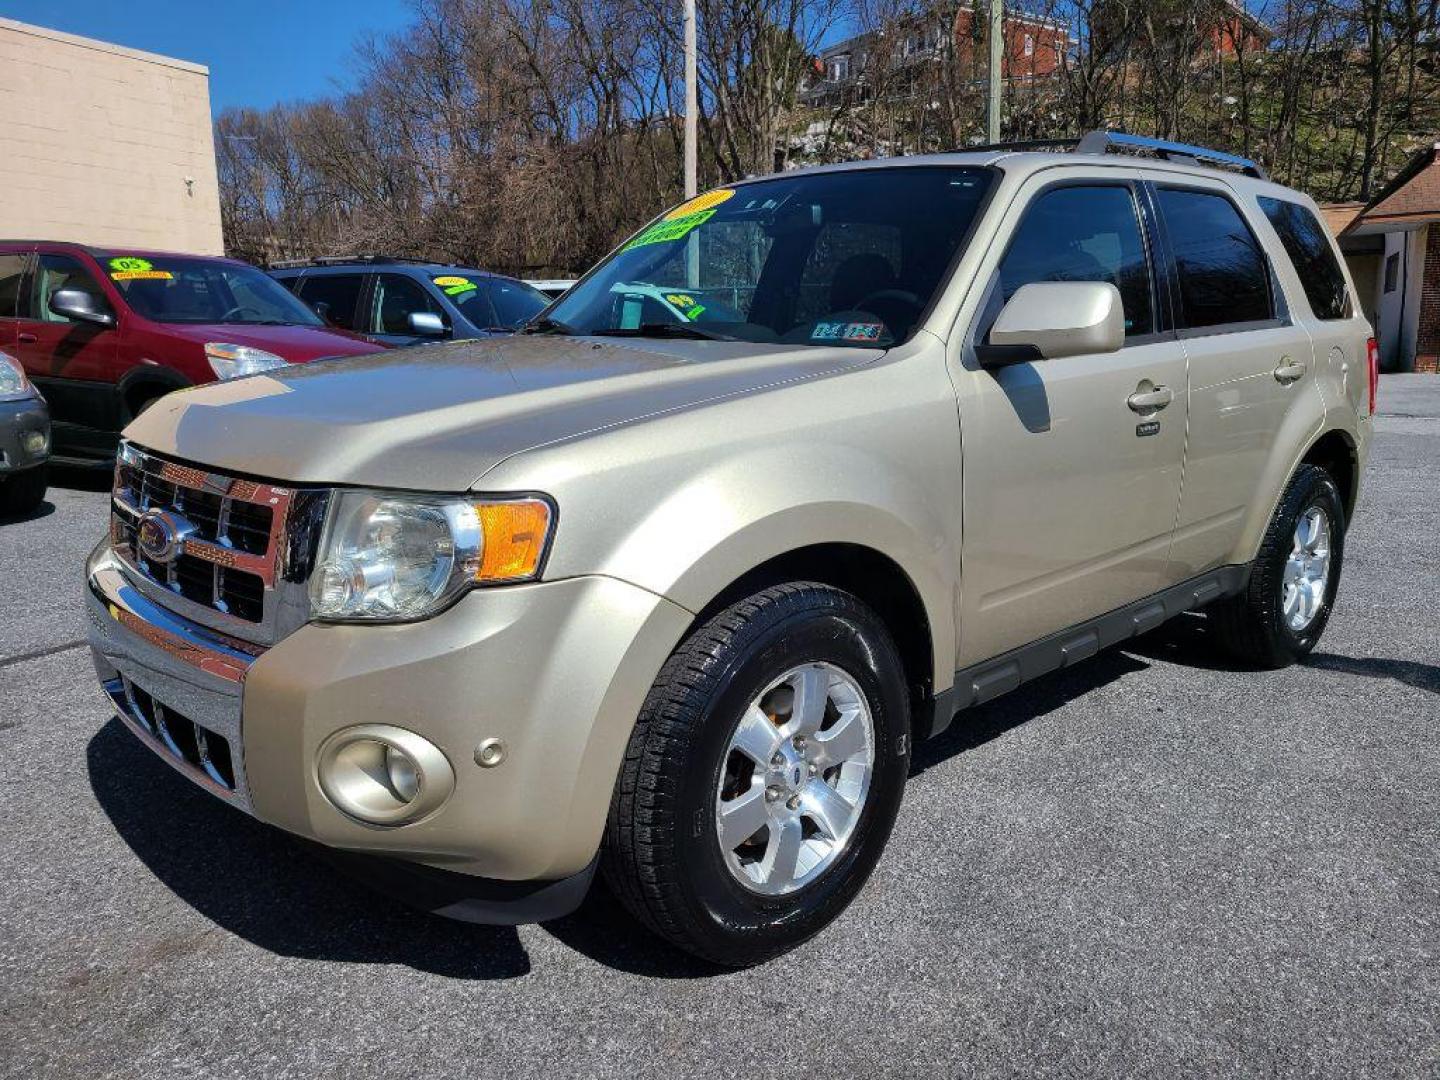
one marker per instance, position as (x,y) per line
(35,442)
(383,775)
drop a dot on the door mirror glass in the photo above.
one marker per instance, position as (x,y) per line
(427,324)
(1053,319)
(80,305)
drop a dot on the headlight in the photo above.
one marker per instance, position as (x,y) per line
(232,361)
(395,557)
(13,383)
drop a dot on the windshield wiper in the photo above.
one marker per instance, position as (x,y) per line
(549,326)
(665,330)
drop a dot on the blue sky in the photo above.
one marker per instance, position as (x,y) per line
(259,52)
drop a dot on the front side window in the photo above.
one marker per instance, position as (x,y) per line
(176,289)
(1224,278)
(1308,246)
(396,299)
(1084,233)
(850,258)
(56,272)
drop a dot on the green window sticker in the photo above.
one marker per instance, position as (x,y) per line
(663,232)
(454,285)
(129,268)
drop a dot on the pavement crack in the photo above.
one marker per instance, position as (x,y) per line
(40,654)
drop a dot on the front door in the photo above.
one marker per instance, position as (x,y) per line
(73,363)
(1070,489)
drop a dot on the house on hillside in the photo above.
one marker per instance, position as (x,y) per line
(1392,246)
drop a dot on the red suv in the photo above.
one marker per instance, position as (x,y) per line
(103,333)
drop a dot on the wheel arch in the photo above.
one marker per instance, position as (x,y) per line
(1337,452)
(142,384)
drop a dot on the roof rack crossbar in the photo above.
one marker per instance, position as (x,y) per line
(1100,142)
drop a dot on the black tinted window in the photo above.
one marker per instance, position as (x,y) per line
(515,303)
(339,293)
(1308,246)
(396,298)
(1084,234)
(12,269)
(1222,269)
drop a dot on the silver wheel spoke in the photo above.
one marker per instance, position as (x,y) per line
(808,712)
(828,809)
(742,817)
(756,737)
(846,739)
(1306,575)
(782,854)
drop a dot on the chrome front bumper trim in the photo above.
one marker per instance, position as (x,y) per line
(190,676)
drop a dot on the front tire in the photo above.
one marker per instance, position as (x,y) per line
(1284,610)
(23,493)
(763,775)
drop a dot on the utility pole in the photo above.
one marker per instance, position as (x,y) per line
(692,103)
(997,44)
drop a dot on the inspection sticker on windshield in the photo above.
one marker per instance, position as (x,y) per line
(129,268)
(454,286)
(847,331)
(667,229)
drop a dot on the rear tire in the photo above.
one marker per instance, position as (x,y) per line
(750,668)
(23,493)
(1284,610)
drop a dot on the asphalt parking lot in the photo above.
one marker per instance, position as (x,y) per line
(1151,864)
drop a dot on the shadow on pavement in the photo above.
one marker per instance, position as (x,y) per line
(82,477)
(44,510)
(258,884)
(1409,672)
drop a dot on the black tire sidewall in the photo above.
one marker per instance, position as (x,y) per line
(860,646)
(1318,490)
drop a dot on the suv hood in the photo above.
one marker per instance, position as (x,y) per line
(439,417)
(297,344)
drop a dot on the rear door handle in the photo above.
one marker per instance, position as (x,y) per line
(1289,370)
(1150,400)
(28,339)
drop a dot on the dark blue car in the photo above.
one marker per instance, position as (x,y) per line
(405,302)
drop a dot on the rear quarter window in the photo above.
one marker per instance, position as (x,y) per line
(1308,246)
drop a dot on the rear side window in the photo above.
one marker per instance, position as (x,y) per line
(1308,246)
(1084,234)
(339,293)
(1224,278)
(12,269)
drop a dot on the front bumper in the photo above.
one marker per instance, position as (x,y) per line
(557,671)
(24,434)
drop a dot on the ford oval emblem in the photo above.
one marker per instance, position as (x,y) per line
(161,535)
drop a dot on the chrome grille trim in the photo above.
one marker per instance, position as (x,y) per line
(237,573)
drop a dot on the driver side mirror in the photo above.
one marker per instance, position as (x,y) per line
(1049,320)
(427,324)
(80,305)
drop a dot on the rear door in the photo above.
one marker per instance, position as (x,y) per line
(1070,492)
(1249,362)
(73,363)
(13,262)
(334,297)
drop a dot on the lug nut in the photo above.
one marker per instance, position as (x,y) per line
(773,793)
(813,770)
(798,742)
(778,761)
(794,802)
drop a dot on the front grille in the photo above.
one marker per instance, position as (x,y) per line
(182,739)
(230,532)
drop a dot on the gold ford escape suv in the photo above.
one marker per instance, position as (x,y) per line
(671,583)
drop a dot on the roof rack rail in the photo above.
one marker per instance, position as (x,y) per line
(341,260)
(1100,142)
(1025,146)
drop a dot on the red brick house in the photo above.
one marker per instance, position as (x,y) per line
(1392,245)
(1034,45)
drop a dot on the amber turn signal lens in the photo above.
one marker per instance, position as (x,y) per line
(515,534)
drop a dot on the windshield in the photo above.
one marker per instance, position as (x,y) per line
(171,289)
(492,302)
(844,258)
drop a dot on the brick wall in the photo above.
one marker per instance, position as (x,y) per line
(1427,340)
(97,142)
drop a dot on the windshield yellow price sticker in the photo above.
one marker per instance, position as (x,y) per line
(665,230)
(130,268)
(708,201)
(454,286)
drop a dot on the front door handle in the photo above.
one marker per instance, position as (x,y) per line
(1150,400)
(1289,370)
(28,339)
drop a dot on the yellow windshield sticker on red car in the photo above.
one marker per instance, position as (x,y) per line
(666,229)
(454,285)
(129,268)
(708,201)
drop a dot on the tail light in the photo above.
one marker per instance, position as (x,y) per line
(1372,357)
